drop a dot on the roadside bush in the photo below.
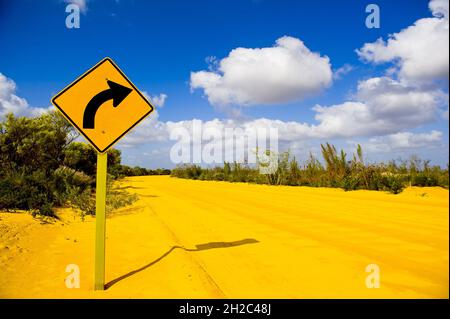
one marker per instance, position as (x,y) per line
(83,200)
(124,170)
(393,184)
(337,171)
(74,188)
(26,192)
(30,150)
(41,166)
(116,197)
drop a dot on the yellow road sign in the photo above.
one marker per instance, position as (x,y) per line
(103,104)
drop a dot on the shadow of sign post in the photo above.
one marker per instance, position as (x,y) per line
(199,247)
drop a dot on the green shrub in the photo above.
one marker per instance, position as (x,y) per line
(393,184)
(116,197)
(27,192)
(41,166)
(351,182)
(337,171)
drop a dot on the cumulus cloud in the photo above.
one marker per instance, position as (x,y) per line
(156,100)
(300,138)
(421,51)
(382,106)
(343,70)
(150,130)
(11,103)
(286,72)
(439,8)
(404,141)
(159,100)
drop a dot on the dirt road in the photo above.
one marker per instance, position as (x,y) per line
(194,239)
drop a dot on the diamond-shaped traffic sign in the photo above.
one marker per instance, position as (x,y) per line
(103,104)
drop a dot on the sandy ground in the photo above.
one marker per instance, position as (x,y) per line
(194,239)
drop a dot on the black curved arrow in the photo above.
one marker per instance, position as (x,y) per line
(116,92)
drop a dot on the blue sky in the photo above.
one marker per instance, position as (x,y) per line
(160,43)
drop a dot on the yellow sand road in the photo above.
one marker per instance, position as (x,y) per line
(198,239)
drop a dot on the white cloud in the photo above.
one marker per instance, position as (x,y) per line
(343,70)
(10,102)
(286,72)
(404,141)
(150,130)
(421,51)
(382,106)
(300,138)
(383,109)
(439,8)
(82,4)
(156,100)
(159,100)
(445,113)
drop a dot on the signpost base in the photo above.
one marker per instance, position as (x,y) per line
(100,227)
